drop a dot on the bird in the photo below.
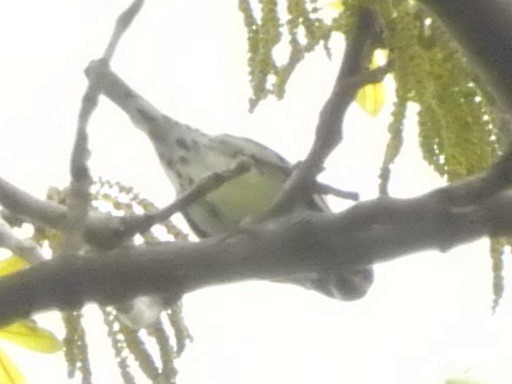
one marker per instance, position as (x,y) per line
(188,154)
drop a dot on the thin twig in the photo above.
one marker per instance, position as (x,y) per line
(321,188)
(36,211)
(107,232)
(326,189)
(200,189)
(205,185)
(79,197)
(329,127)
(123,22)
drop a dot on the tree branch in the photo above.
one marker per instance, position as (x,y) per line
(369,232)
(272,250)
(329,128)
(103,231)
(78,197)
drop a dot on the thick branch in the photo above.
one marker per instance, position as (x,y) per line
(308,242)
(369,232)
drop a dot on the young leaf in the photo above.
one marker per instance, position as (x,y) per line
(371,97)
(28,335)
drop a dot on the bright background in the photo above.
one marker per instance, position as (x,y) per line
(427,316)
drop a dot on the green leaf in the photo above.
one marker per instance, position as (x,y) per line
(371,98)
(28,335)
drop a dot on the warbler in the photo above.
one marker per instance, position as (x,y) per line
(188,154)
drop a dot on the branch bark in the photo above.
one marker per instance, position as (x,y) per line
(369,232)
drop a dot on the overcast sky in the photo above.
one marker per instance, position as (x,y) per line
(427,316)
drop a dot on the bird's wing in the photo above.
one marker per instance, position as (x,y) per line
(231,145)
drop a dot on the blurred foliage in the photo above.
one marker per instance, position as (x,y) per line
(456,114)
(304,29)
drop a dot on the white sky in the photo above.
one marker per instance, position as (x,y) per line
(427,316)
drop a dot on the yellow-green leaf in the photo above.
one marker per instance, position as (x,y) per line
(336,4)
(28,335)
(9,373)
(371,98)
(12,264)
